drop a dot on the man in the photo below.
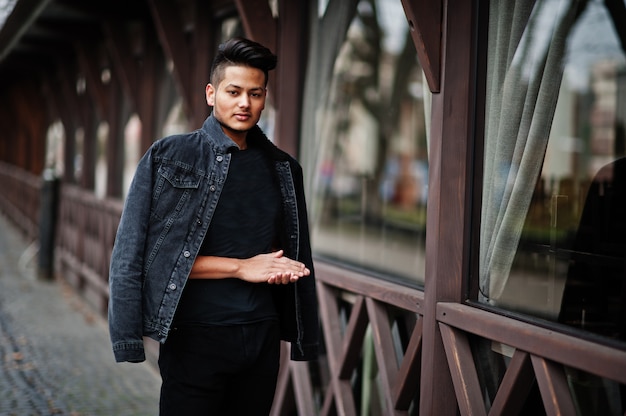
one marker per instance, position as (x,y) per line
(212,256)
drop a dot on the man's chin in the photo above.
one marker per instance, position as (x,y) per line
(238,128)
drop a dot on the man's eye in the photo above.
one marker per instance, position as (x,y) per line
(232,92)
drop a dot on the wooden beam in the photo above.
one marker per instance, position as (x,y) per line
(554,388)
(17,23)
(89,154)
(385,352)
(88,60)
(169,29)
(258,22)
(260,25)
(463,369)
(339,389)
(116,119)
(118,43)
(204,44)
(403,297)
(303,389)
(425,23)
(448,214)
(70,111)
(147,90)
(283,382)
(515,386)
(408,383)
(568,350)
(353,338)
(292,41)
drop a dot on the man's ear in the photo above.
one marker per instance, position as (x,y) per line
(210,94)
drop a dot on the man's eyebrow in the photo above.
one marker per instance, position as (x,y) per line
(241,88)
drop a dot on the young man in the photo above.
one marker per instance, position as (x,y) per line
(212,256)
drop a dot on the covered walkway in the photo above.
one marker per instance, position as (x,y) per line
(55,350)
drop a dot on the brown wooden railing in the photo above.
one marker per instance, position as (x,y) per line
(372,329)
(85,237)
(534,354)
(532,357)
(358,312)
(19,198)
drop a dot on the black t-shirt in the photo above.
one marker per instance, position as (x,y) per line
(244,224)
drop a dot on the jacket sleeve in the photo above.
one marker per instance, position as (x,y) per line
(126,268)
(306,294)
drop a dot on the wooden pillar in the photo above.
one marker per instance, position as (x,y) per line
(117,116)
(91,60)
(169,28)
(292,55)
(65,100)
(88,171)
(448,201)
(204,45)
(260,26)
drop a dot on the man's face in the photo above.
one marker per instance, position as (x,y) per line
(238,100)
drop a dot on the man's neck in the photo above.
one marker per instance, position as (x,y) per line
(237,136)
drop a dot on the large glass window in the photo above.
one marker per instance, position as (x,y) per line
(553,222)
(553,225)
(369,153)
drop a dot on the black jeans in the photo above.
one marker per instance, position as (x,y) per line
(220,370)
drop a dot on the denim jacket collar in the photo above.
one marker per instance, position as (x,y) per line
(213,130)
(255,138)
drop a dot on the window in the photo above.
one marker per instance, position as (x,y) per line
(551,242)
(553,232)
(368,155)
(553,226)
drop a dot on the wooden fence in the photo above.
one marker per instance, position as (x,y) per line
(372,330)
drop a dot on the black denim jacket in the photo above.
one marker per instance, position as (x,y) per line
(166,214)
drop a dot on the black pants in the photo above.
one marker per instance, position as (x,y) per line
(220,370)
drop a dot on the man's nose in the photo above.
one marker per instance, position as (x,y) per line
(244,101)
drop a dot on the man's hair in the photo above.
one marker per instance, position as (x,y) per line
(241,51)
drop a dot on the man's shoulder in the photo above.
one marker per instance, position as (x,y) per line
(193,140)
(191,149)
(182,137)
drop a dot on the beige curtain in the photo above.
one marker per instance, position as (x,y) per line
(527,45)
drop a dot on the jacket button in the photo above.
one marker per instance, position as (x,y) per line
(172,286)
(186,253)
(219,158)
(212,188)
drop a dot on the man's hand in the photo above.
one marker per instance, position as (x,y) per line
(272,268)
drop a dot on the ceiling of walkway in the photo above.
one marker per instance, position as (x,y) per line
(39,32)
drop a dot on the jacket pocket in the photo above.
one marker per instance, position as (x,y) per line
(173,187)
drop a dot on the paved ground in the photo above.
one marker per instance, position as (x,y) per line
(55,352)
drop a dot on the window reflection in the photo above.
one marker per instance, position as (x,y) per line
(594,296)
(372,170)
(553,231)
(533,214)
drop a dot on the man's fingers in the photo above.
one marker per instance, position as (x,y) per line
(283,278)
(277,268)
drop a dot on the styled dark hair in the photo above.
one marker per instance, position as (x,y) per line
(241,51)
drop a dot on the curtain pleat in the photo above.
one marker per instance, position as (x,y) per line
(522,90)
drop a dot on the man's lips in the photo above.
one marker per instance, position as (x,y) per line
(242,116)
